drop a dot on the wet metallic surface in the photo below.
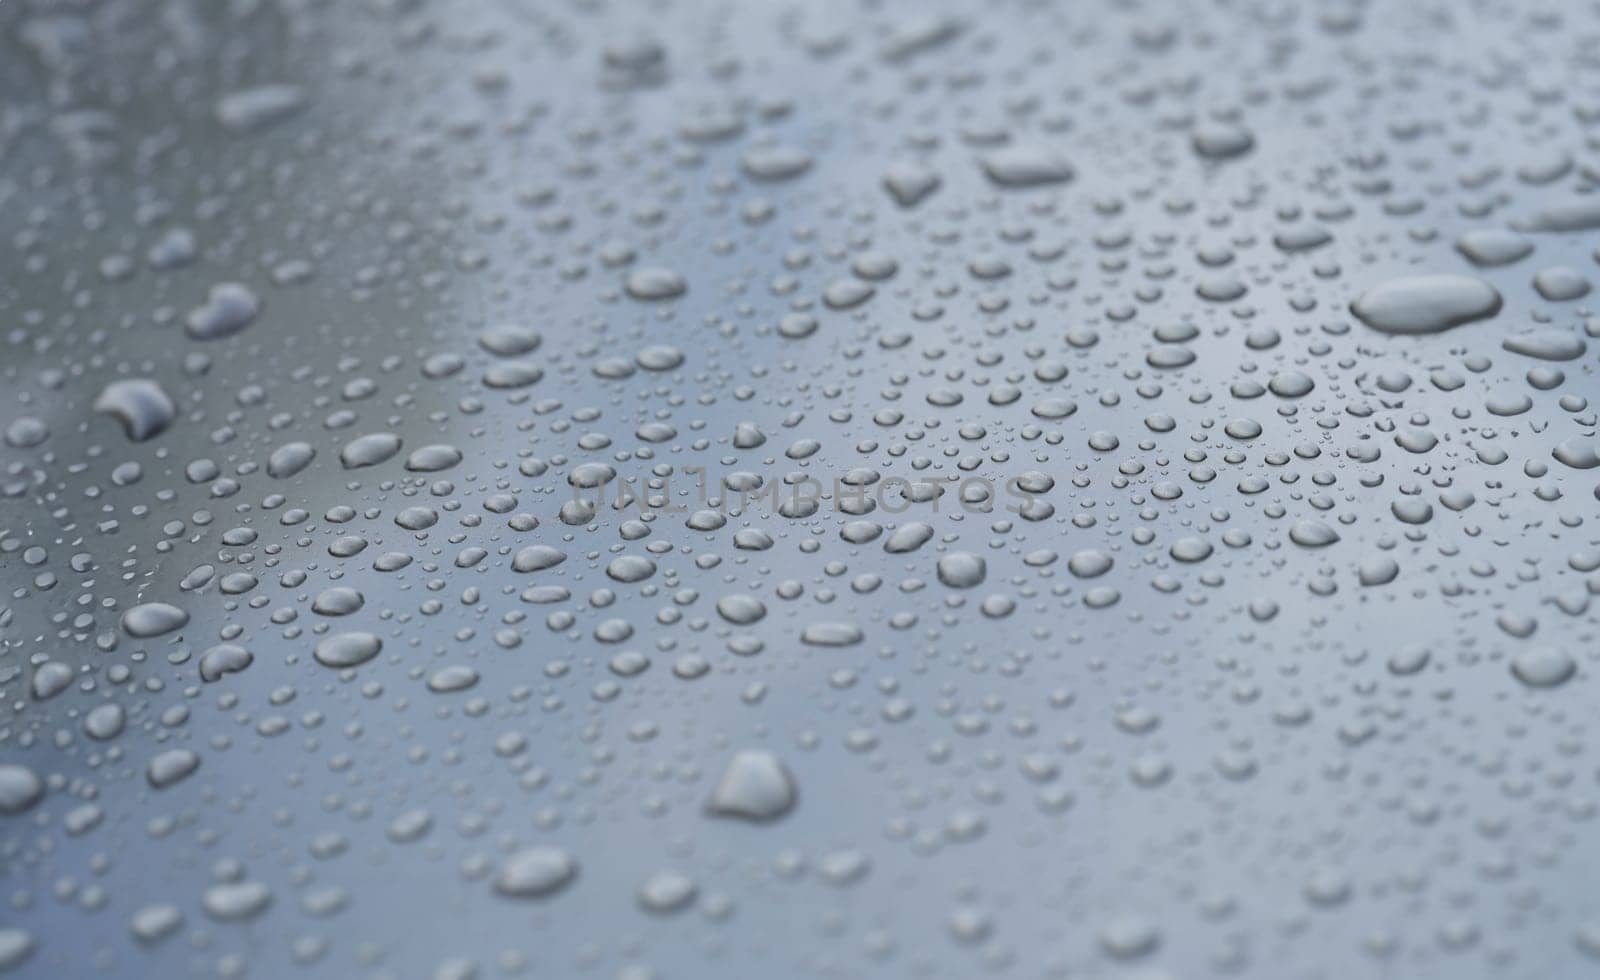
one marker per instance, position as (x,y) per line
(322,321)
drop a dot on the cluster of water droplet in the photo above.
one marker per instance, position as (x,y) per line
(842,490)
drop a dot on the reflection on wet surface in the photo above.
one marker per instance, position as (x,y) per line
(848,490)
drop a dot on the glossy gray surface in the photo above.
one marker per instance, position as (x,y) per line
(1196,580)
